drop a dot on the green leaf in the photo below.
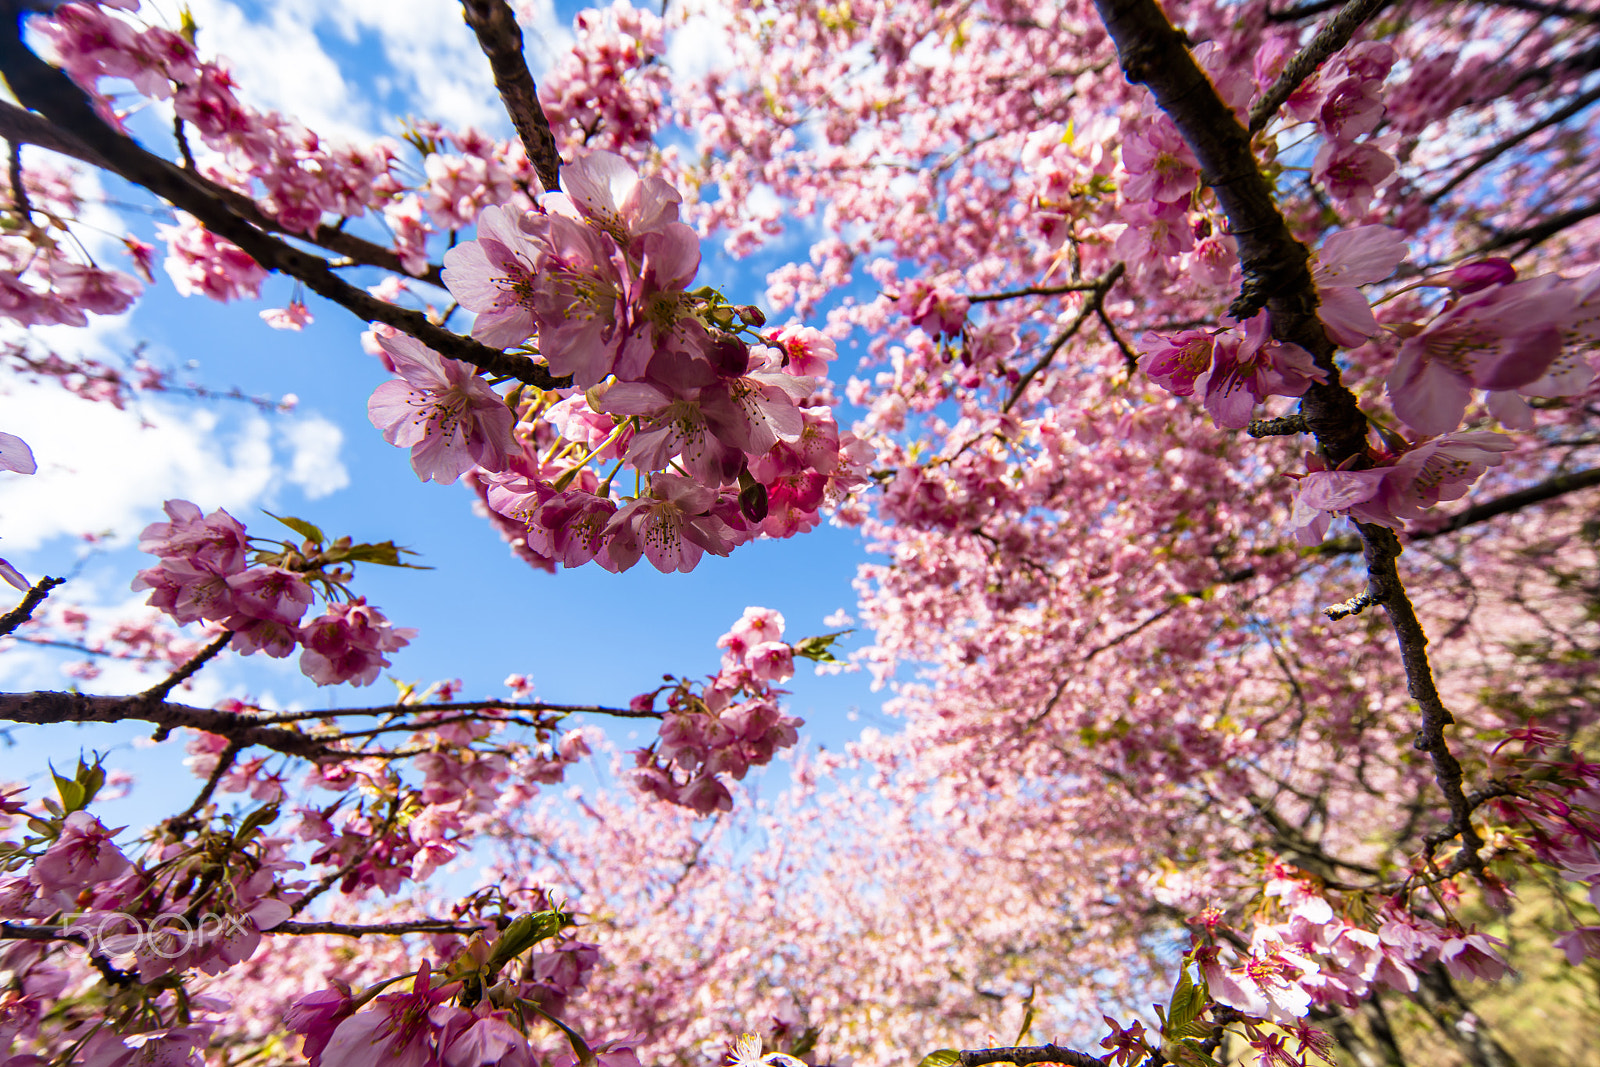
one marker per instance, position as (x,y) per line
(92,777)
(1027,1017)
(806,1043)
(524,932)
(944,1057)
(254,821)
(1187,1002)
(386,554)
(817,648)
(301,527)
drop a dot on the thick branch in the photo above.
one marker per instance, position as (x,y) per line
(42,88)
(1026,1054)
(1332,37)
(1276,274)
(45,708)
(501,40)
(30,603)
(24,127)
(1153,52)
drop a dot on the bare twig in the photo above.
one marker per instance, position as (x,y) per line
(1493,153)
(1332,37)
(158,692)
(501,40)
(30,603)
(1093,303)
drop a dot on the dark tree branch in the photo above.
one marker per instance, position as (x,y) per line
(462,705)
(1023,1055)
(1549,489)
(501,40)
(30,603)
(1154,53)
(1536,234)
(1535,7)
(19,126)
(46,708)
(42,88)
(1033,290)
(157,693)
(1332,37)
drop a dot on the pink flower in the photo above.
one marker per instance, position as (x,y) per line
(604,189)
(1160,164)
(771,661)
(395,1031)
(442,410)
(15,455)
(1348,259)
(495,278)
(1351,173)
(346,644)
(1246,372)
(806,351)
(296,316)
(82,856)
(583,299)
(1580,943)
(1175,362)
(1473,955)
(1503,338)
(673,526)
(316,1016)
(269,603)
(216,541)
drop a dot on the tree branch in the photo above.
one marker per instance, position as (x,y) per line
(1095,301)
(1023,1055)
(501,40)
(1332,37)
(414,926)
(42,88)
(24,127)
(1493,153)
(47,708)
(30,603)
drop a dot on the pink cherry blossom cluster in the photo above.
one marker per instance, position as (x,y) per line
(725,725)
(205,574)
(1313,957)
(423,1027)
(300,177)
(730,439)
(1556,816)
(42,281)
(608,91)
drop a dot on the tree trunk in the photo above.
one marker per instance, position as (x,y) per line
(1438,996)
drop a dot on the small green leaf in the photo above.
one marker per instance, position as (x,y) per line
(254,821)
(944,1057)
(524,932)
(386,554)
(301,527)
(1187,1002)
(817,648)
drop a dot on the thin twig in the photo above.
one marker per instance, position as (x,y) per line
(157,693)
(1033,290)
(415,926)
(30,603)
(1560,115)
(1097,291)
(1332,37)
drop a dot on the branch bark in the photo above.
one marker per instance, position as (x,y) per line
(501,40)
(45,708)
(42,88)
(1332,37)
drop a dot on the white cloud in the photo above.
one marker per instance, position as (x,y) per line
(315,466)
(104,469)
(280,65)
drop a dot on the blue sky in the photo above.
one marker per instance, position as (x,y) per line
(583,635)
